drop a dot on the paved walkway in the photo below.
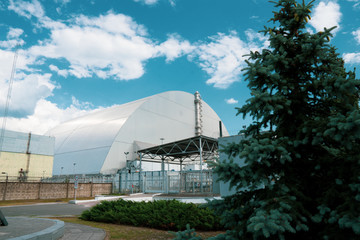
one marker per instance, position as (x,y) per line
(82,232)
(34,224)
(31,228)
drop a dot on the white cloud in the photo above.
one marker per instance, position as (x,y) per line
(27,90)
(356,3)
(108,46)
(63,2)
(352,58)
(6,63)
(63,73)
(231,101)
(28,86)
(27,9)
(326,14)
(222,58)
(111,45)
(13,39)
(172,3)
(147,2)
(357,35)
(46,116)
(174,47)
(15,33)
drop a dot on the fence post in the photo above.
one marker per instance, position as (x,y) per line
(39,190)
(67,189)
(5,189)
(91,189)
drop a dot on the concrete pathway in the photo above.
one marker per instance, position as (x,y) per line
(32,213)
(82,232)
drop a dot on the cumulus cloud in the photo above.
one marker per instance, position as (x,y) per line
(357,35)
(326,14)
(231,101)
(64,2)
(28,86)
(13,38)
(351,58)
(111,45)
(27,90)
(54,115)
(147,2)
(63,73)
(175,47)
(27,9)
(223,57)
(108,46)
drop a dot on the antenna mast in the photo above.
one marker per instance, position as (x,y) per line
(6,110)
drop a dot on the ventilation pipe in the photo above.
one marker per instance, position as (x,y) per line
(220,128)
(198,114)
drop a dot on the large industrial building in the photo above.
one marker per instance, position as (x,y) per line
(102,142)
(26,156)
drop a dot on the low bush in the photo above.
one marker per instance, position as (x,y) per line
(162,214)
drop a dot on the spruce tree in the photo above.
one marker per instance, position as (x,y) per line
(302,151)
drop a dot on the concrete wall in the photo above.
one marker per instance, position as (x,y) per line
(30,152)
(39,165)
(28,190)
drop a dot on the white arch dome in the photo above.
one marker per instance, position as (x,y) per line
(96,142)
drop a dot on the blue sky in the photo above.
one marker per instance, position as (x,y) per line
(79,56)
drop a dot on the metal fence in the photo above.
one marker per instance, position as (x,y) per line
(133,182)
(165,182)
(4,178)
(61,179)
(81,179)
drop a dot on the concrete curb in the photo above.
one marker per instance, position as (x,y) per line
(54,232)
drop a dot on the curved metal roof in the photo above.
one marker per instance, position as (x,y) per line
(96,143)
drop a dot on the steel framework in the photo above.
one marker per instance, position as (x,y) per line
(195,149)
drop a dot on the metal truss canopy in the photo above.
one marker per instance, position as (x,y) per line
(190,149)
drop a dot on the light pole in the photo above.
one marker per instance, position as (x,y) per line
(126,171)
(61,169)
(162,140)
(44,174)
(126,153)
(74,169)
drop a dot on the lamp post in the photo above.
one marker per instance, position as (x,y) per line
(126,171)
(74,168)
(44,174)
(61,169)
(162,142)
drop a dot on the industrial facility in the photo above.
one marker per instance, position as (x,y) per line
(105,141)
(26,156)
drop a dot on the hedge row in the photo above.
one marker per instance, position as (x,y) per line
(162,214)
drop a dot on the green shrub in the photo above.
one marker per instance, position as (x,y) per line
(162,214)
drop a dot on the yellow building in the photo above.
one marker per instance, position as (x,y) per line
(26,156)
